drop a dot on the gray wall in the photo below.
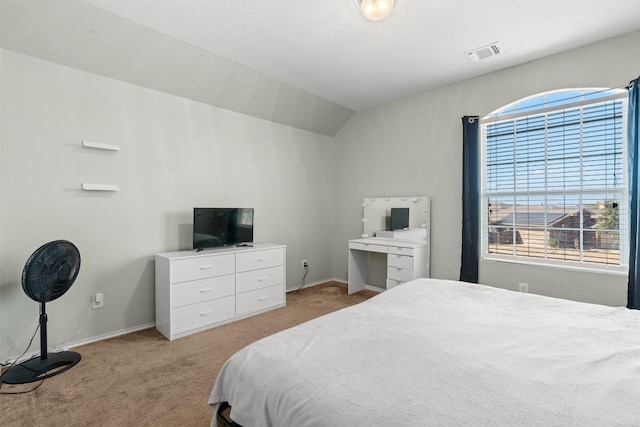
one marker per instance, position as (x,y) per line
(307,189)
(414,146)
(175,154)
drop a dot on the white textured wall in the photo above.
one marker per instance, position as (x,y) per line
(414,146)
(175,154)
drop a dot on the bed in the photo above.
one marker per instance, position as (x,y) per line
(439,352)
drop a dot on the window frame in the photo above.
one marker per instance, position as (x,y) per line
(509,112)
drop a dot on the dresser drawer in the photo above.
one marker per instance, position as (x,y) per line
(401,274)
(198,290)
(402,261)
(201,267)
(259,299)
(201,314)
(202,290)
(258,279)
(254,260)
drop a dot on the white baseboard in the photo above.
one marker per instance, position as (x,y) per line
(58,347)
(111,335)
(320,282)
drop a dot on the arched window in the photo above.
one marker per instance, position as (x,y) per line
(554,180)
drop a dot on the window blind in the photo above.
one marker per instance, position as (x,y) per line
(554,184)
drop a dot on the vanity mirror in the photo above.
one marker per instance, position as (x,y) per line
(376,216)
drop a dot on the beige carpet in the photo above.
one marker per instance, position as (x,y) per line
(142,379)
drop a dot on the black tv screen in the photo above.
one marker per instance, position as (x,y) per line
(214,227)
(399,218)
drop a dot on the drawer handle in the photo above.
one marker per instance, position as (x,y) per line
(206,313)
(262,298)
(205,267)
(261,279)
(206,290)
(263,259)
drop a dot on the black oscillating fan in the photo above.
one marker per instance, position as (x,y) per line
(49,272)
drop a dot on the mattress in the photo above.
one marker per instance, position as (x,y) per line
(438,352)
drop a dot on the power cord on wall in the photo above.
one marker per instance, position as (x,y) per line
(16,361)
(306,271)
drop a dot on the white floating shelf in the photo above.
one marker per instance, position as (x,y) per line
(100,146)
(100,187)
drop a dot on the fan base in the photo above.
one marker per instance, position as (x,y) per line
(37,369)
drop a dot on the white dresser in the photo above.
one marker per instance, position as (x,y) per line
(406,261)
(200,290)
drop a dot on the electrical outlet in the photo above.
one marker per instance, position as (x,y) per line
(304,263)
(523,287)
(98,300)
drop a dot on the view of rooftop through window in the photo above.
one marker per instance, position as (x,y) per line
(554,186)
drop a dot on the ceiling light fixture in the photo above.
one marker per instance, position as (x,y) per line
(375,10)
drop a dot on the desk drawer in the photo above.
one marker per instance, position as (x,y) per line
(201,267)
(254,260)
(401,274)
(201,314)
(391,283)
(259,299)
(202,290)
(258,279)
(401,250)
(369,247)
(402,261)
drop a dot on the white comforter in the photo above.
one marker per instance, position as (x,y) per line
(442,353)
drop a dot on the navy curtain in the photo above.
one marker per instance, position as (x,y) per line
(470,199)
(633,293)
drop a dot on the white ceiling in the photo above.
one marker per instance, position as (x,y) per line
(303,63)
(329,49)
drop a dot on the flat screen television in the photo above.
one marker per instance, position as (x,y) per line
(399,218)
(213,227)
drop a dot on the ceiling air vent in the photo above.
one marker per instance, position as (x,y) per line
(483,52)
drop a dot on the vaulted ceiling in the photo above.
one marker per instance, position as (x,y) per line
(308,64)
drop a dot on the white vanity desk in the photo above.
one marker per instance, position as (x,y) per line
(406,252)
(406,261)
